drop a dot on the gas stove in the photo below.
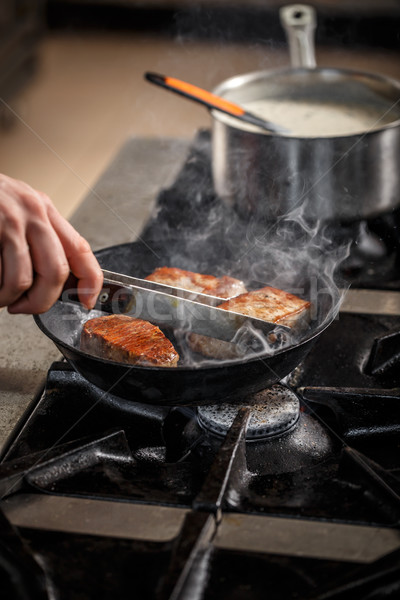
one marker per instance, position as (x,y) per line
(293,492)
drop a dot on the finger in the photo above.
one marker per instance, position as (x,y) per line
(50,267)
(81,259)
(16,269)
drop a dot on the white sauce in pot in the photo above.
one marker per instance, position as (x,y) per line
(323,119)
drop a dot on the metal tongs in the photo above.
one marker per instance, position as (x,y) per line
(173,307)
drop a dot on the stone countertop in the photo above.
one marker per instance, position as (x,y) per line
(114,212)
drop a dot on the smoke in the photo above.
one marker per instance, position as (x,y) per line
(293,255)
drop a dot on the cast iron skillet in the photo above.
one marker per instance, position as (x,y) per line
(183,385)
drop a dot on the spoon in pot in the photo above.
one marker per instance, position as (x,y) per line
(212,101)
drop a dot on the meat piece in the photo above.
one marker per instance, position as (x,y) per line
(124,339)
(223,287)
(269,304)
(212,348)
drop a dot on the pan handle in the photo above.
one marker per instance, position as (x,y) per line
(113,298)
(299,22)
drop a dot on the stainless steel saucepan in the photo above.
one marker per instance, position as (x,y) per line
(340,159)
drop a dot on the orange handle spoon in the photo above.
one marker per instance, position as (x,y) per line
(211,101)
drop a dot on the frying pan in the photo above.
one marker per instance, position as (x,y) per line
(186,384)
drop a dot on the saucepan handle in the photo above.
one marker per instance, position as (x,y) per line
(299,22)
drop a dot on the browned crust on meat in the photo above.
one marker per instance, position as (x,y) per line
(269,304)
(222,287)
(124,339)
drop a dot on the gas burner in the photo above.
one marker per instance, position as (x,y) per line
(274,411)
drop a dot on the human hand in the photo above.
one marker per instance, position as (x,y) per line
(38,249)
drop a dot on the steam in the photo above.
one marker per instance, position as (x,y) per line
(293,255)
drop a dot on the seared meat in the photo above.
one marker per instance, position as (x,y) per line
(124,339)
(269,304)
(223,287)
